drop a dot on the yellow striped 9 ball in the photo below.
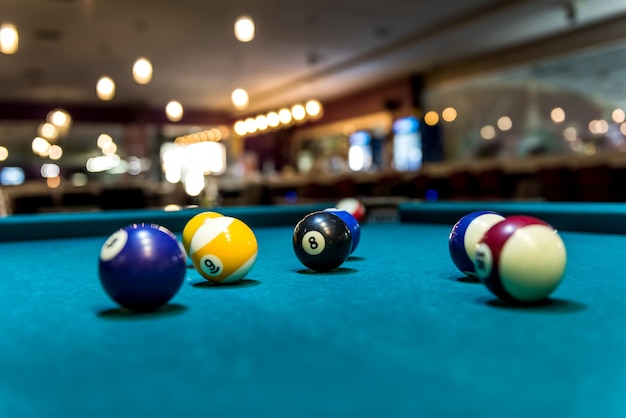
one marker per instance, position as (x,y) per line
(192,226)
(223,250)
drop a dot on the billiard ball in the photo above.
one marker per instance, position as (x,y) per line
(353,206)
(353,224)
(322,241)
(193,224)
(465,235)
(223,250)
(521,259)
(142,266)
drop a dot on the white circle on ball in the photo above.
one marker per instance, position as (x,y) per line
(483,261)
(113,245)
(313,242)
(532,263)
(211,265)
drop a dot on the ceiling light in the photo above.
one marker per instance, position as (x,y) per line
(557,114)
(48,131)
(59,118)
(105,88)
(40,146)
(110,149)
(215,134)
(504,123)
(56,152)
(240,99)
(618,115)
(49,170)
(261,122)
(488,132)
(9,39)
(272,119)
(240,128)
(250,125)
(298,112)
(174,111)
(142,71)
(449,114)
(431,118)
(244,29)
(313,108)
(570,134)
(284,115)
(104,140)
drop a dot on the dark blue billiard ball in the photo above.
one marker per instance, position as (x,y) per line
(322,241)
(353,224)
(142,266)
(465,235)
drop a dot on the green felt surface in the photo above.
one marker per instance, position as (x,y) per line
(394,333)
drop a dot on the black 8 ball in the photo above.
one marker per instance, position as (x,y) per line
(322,241)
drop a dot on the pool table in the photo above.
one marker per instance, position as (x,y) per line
(397,331)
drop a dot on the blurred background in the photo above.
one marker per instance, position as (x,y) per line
(129,104)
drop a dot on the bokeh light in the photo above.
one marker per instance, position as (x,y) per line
(105,88)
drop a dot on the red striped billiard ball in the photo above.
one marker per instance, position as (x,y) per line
(465,235)
(353,206)
(521,259)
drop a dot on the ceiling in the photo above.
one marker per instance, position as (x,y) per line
(303,48)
